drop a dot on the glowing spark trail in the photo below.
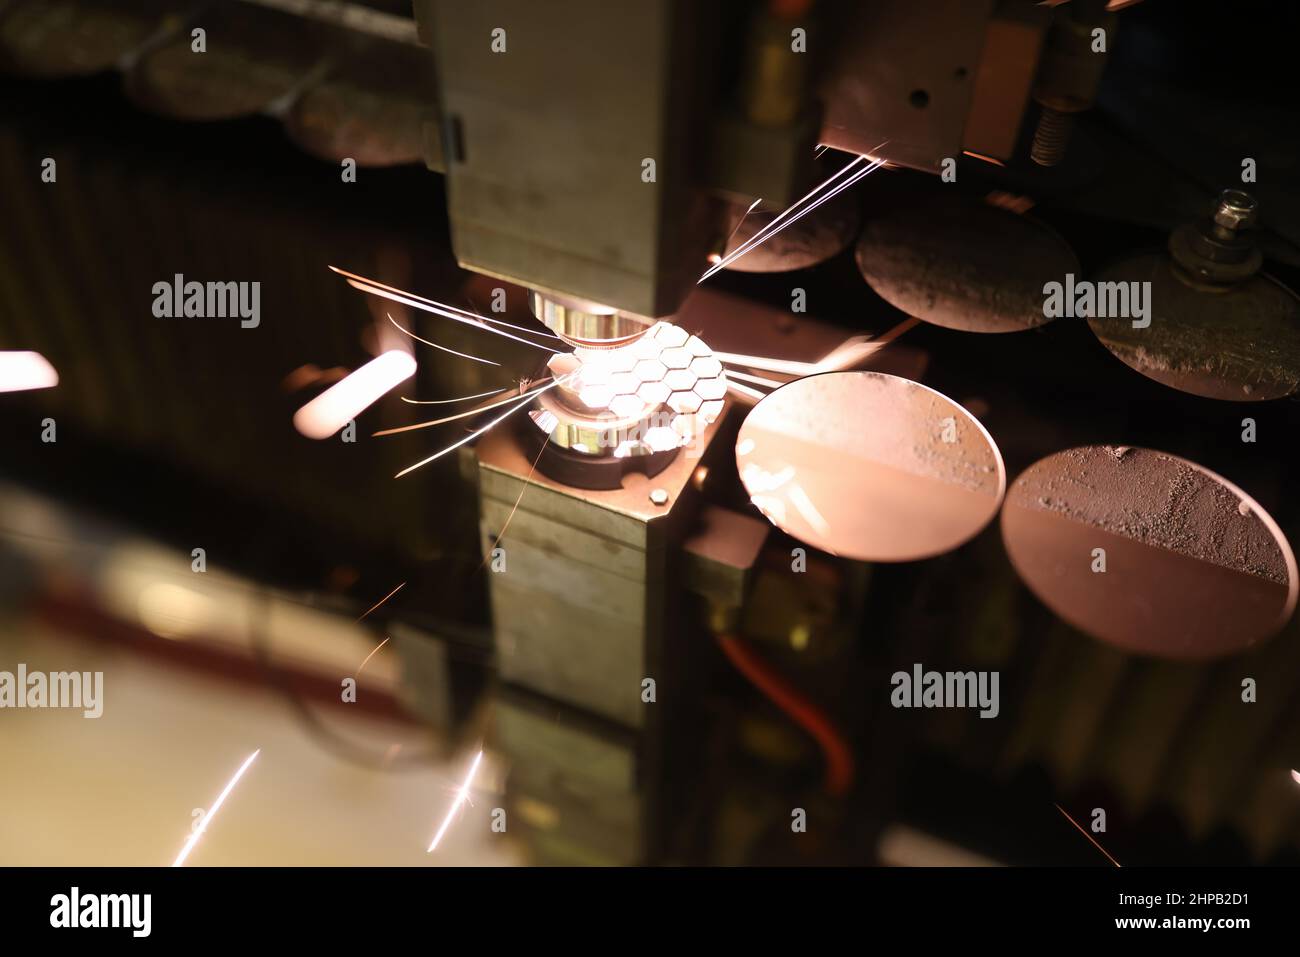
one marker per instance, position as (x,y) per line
(528,397)
(745,391)
(755,379)
(350,276)
(463,398)
(372,608)
(459,415)
(818,195)
(357,673)
(1087,835)
(216,806)
(845,355)
(463,355)
(461,796)
(375,288)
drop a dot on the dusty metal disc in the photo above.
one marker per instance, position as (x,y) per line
(964,264)
(52,38)
(820,235)
(870,466)
(1241,343)
(1193,567)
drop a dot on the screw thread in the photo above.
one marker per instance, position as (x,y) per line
(1051,137)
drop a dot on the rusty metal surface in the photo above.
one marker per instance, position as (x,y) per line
(1240,344)
(963,264)
(1190,566)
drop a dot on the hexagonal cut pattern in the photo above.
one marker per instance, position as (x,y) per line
(624,383)
(679,380)
(684,402)
(711,388)
(650,370)
(709,411)
(626,406)
(667,382)
(706,367)
(654,393)
(670,336)
(647,347)
(675,358)
(596,396)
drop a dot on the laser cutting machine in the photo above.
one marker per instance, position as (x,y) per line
(950,158)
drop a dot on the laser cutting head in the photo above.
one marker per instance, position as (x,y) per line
(630,406)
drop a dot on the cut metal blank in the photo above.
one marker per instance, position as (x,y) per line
(1149,552)
(870,466)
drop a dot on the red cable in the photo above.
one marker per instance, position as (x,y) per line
(806,714)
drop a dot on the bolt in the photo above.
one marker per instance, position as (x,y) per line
(659,496)
(1051,136)
(1236,210)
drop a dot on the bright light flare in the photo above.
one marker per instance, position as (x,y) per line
(212,812)
(20,371)
(344,401)
(1295,776)
(462,796)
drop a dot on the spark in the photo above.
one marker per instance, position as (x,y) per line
(796,211)
(463,398)
(715,258)
(746,392)
(981,156)
(461,796)
(846,354)
(1087,835)
(528,397)
(216,806)
(463,355)
(459,415)
(376,605)
(20,371)
(345,400)
(375,288)
(522,488)
(357,673)
(755,379)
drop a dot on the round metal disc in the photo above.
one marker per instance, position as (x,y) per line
(870,466)
(1149,552)
(964,264)
(1240,344)
(812,239)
